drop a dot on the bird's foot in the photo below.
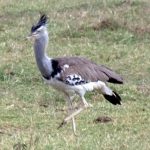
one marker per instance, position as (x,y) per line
(71,116)
(62,124)
(65,122)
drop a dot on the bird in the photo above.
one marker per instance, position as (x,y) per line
(72,75)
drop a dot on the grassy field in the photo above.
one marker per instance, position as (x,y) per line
(111,32)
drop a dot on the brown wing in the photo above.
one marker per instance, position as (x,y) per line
(88,70)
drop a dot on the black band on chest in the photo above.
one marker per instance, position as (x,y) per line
(56,68)
(46,77)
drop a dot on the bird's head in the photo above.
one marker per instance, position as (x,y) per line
(39,29)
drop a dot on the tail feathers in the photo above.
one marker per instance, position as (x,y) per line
(112,75)
(114,98)
(116,81)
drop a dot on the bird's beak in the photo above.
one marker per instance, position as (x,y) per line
(29,37)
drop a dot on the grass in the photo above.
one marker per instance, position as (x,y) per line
(112,32)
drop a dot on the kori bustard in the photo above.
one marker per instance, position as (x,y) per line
(72,75)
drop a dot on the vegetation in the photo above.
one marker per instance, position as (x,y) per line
(111,32)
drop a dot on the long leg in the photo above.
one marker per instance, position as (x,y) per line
(76,112)
(73,115)
(70,111)
(85,103)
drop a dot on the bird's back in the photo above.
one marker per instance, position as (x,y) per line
(88,70)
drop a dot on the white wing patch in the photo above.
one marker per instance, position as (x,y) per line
(65,66)
(74,80)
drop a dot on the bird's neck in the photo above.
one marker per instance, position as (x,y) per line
(43,61)
(40,48)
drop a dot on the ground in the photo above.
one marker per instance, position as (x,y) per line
(115,33)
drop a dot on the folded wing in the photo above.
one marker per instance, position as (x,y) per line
(87,70)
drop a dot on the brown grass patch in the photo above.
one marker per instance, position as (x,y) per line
(112,24)
(103,119)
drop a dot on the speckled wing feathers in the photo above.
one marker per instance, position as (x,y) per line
(87,70)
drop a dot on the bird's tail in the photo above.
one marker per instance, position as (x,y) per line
(114,98)
(109,94)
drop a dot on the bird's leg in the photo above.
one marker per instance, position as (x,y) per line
(85,103)
(73,114)
(70,111)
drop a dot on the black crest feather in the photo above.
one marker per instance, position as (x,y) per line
(42,21)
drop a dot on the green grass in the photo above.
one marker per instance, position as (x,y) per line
(111,32)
